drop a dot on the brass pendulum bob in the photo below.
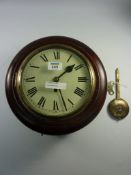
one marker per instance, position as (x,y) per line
(118,107)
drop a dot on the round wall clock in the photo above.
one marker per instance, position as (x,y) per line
(56,85)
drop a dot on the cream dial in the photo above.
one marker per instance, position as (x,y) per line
(56,81)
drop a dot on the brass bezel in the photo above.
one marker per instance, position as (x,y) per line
(29,56)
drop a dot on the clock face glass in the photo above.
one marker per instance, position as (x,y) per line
(55,81)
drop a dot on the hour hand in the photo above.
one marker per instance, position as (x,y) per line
(68,69)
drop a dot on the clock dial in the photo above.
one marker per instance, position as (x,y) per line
(56,81)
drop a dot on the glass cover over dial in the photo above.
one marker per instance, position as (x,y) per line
(56,81)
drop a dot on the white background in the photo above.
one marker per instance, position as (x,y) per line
(104,146)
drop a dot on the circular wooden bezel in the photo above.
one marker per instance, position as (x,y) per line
(62,125)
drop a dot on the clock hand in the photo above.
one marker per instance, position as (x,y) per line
(63,100)
(68,69)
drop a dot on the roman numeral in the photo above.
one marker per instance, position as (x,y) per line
(79,91)
(78,67)
(56,55)
(44,58)
(30,79)
(70,102)
(32,91)
(69,58)
(55,106)
(35,66)
(82,79)
(41,102)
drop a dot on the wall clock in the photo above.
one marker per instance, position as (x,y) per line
(56,85)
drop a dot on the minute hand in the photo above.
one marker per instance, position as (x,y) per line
(63,100)
(67,70)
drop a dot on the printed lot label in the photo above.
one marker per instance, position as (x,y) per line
(55,85)
(54,65)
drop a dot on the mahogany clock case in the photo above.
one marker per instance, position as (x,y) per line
(62,125)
